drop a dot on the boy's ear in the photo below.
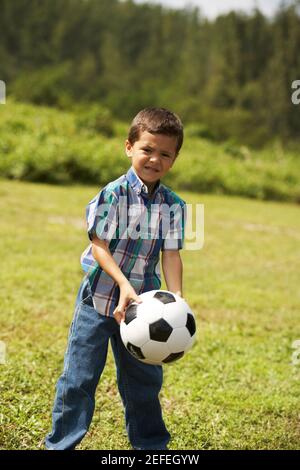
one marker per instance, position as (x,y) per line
(128,148)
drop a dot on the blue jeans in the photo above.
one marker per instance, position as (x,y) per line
(139,384)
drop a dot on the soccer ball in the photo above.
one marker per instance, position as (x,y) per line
(159,330)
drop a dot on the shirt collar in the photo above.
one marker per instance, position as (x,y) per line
(138,185)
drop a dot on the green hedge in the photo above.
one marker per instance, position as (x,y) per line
(46,145)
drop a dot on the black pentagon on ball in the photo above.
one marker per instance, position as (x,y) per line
(173,357)
(164,297)
(190,324)
(160,330)
(135,351)
(130,313)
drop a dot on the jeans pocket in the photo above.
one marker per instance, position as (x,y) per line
(86,294)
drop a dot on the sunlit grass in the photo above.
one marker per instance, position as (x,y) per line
(237,388)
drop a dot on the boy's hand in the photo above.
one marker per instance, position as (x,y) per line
(127,295)
(179,293)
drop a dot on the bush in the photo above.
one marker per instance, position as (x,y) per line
(46,145)
(45,86)
(199,130)
(94,118)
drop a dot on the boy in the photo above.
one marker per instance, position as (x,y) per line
(118,269)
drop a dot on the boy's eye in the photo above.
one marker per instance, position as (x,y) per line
(164,155)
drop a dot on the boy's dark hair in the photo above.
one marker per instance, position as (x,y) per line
(156,121)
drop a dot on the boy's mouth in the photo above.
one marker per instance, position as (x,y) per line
(149,168)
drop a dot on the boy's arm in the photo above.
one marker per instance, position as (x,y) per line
(172,269)
(103,256)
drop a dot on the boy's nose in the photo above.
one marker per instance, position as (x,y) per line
(155,158)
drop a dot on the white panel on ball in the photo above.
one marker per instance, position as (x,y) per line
(178,340)
(151,310)
(137,332)
(155,350)
(175,315)
(190,343)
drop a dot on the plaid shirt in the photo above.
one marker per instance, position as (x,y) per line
(137,256)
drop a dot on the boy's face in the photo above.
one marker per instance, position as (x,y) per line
(152,155)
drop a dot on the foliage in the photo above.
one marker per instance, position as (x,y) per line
(94,118)
(232,75)
(45,145)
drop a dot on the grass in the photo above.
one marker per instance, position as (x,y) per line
(236,389)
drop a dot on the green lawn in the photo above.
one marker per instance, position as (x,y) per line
(236,389)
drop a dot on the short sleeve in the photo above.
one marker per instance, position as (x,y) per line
(174,235)
(102,216)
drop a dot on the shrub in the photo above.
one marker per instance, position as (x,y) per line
(94,118)
(46,145)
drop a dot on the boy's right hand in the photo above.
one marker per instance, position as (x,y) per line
(127,295)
